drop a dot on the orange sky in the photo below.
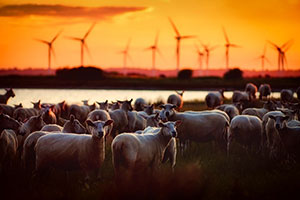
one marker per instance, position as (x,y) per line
(248,23)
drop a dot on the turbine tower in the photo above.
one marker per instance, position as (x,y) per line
(83,44)
(281,53)
(50,49)
(227,46)
(207,50)
(125,53)
(178,38)
(154,49)
(200,58)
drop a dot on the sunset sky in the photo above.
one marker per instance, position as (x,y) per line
(248,24)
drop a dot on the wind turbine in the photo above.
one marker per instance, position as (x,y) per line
(281,53)
(200,57)
(207,50)
(154,49)
(178,38)
(126,54)
(83,43)
(263,58)
(50,48)
(227,46)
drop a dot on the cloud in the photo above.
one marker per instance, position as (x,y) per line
(66,11)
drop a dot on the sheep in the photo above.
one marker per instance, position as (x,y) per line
(120,117)
(289,135)
(264,90)
(81,112)
(9,110)
(176,99)
(298,93)
(198,126)
(286,95)
(7,122)
(23,114)
(72,151)
(229,109)
(171,150)
(214,99)
(52,128)
(260,112)
(239,96)
(103,105)
(135,153)
(251,89)
(139,104)
(28,154)
(246,130)
(48,115)
(102,115)
(114,106)
(4,97)
(136,121)
(8,147)
(63,109)
(152,120)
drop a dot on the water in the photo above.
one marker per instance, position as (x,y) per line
(26,96)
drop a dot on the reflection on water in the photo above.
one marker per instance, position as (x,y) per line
(25,96)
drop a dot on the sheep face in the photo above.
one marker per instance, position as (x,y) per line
(167,112)
(37,105)
(8,122)
(103,105)
(169,128)
(74,126)
(97,128)
(280,121)
(126,105)
(149,109)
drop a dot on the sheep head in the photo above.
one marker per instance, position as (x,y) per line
(169,128)
(280,121)
(97,128)
(167,111)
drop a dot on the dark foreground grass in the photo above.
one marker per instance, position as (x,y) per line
(202,172)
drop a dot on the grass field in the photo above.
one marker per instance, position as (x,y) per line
(202,172)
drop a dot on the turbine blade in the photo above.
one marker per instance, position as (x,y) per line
(73,38)
(174,27)
(288,46)
(235,45)
(265,49)
(160,54)
(88,32)
(285,44)
(268,60)
(188,36)
(148,48)
(128,43)
(54,54)
(225,35)
(130,58)
(213,48)
(56,36)
(274,45)
(43,41)
(88,51)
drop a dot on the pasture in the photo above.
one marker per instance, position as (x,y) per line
(202,171)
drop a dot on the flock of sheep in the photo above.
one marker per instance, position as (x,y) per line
(73,137)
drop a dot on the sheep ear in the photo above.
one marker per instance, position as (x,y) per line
(130,100)
(90,123)
(109,122)
(162,106)
(177,123)
(173,106)
(106,102)
(161,124)
(72,118)
(120,101)
(271,117)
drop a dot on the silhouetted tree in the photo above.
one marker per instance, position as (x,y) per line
(80,73)
(235,73)
(185,74)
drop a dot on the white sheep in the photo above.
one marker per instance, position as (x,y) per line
(120,117)
(251,89)
(28,154)
(8,147)
(72,151)
(81,111)
(52,128)
(264,90)
(246,130)
(7,122)
(103,105)
(198,126)
(8,93)
(9,110)
(260,112)
(286,95)
(134,154)
(230,109)
(239,96)
(23,114)
(139,104)
(214,99)
(101,115)
(289,135)
(176,99)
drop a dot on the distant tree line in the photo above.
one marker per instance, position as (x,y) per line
(80,73)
